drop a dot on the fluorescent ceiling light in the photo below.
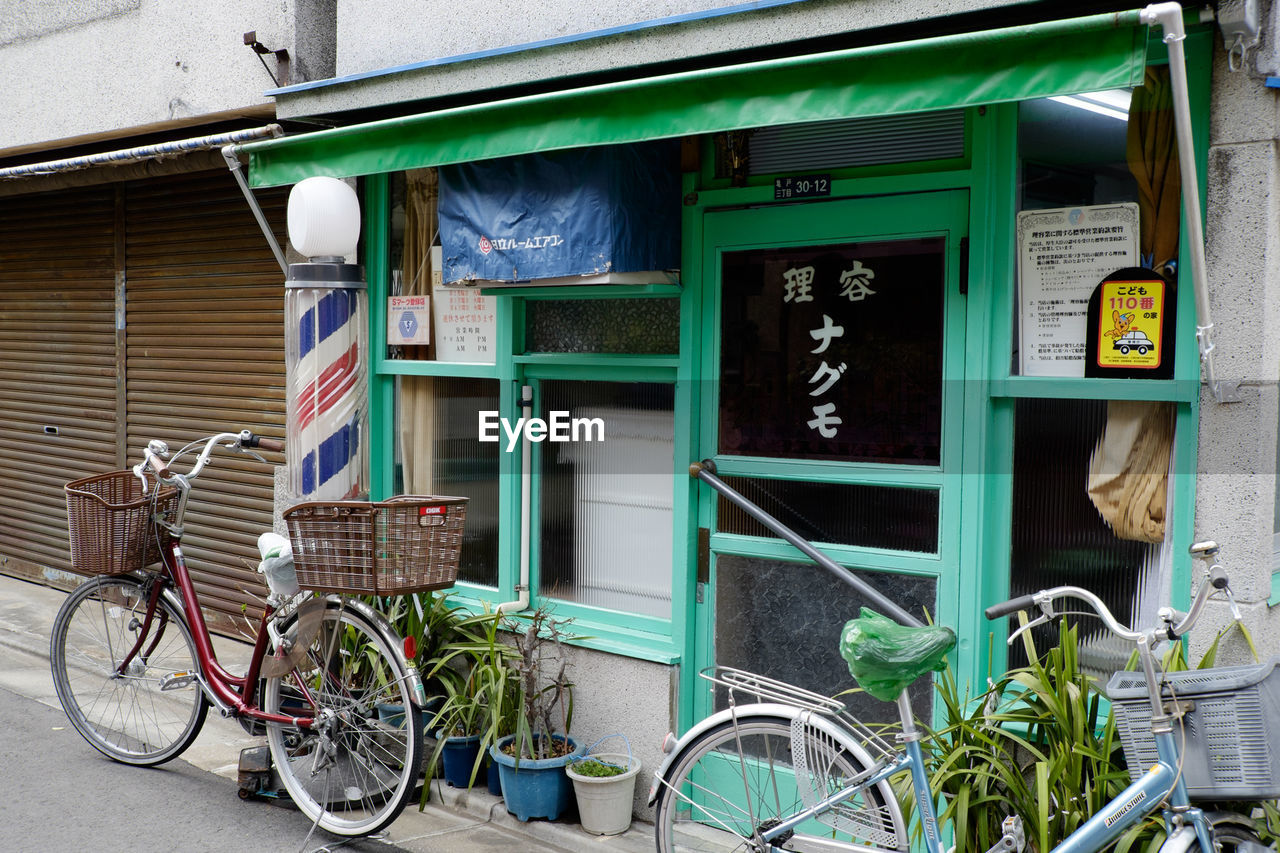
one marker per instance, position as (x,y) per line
(1113,103)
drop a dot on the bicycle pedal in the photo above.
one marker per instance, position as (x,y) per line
(177,680)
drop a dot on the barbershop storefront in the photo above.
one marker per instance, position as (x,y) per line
(874,325)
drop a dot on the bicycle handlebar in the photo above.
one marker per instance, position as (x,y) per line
(1174,624)
(155,453)
(1013,605)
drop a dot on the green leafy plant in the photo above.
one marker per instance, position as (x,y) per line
(480,685)
(597,769)
(1036,744)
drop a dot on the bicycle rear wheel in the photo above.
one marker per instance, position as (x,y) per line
(152,709)
(351,772)
(738,779)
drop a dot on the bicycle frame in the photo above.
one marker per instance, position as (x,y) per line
(1160,789)
(235,695)
(1142,798)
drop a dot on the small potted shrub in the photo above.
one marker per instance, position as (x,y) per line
(480,695)
(531,760)
(435,625)
(604,784)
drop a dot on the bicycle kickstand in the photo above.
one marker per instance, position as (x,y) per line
(1013,840)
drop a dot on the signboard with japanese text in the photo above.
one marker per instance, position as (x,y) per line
(408,320)
(833,352)
(1131,326)
(466,325)
(1062,254)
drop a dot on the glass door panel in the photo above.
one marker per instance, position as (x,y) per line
(836,341)
(833,352)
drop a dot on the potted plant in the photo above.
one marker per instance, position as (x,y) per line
(480,694)
(434,624)
(604,784)
(531,760)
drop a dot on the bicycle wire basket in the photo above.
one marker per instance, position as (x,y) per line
(109,522)
(1230,733)
(407,544)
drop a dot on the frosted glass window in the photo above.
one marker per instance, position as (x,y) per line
(844,514)
(606,517)
(783,620)
(603,325)
(1060,539)
(437,453)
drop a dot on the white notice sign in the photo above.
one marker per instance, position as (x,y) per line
(1062,255)
(466,325)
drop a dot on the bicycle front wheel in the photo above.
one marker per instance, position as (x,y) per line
(352,772)
(133,697)
(1237,839)
(739,779)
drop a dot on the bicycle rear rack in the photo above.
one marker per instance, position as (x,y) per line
(760,688)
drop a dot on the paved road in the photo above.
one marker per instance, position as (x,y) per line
(63,795)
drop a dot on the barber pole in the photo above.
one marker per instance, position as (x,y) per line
(326,323)
(327,392)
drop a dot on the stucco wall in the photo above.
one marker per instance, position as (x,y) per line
(95,67)
(381,34)
(617,695)
(1236,475)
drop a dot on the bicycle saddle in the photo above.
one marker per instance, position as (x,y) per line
(884,657)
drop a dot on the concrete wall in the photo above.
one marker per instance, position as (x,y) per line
(1236,476)
(379,34)
(617,695)
(99,67)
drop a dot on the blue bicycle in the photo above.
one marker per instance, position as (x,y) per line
(785,769)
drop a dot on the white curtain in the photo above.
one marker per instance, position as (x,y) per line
(417,393)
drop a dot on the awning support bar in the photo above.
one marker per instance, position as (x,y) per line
(229,153)
(1169,17)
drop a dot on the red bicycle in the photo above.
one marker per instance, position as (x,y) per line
(329,680)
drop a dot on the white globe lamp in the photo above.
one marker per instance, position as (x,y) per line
(324,219)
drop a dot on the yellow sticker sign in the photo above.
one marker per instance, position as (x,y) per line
(1130,324)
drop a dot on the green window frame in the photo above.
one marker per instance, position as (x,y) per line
(633,635)
(1003,389)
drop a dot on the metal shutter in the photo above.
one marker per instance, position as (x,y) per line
(205,351)
(58,373)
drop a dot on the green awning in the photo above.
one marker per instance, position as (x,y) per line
(994,66)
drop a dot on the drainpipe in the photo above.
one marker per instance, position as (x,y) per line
(526,495)
(1169,17)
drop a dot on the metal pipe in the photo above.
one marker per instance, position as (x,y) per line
(1169,17)
(521,601)
(230,153)
(142,152)
(887,606)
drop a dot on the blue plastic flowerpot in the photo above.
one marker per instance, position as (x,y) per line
(459,757)
(538,787)
(495,777)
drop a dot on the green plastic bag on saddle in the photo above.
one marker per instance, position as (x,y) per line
(884,657)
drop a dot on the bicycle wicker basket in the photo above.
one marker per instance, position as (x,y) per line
(1230,734)
(109,521)
(406,544)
